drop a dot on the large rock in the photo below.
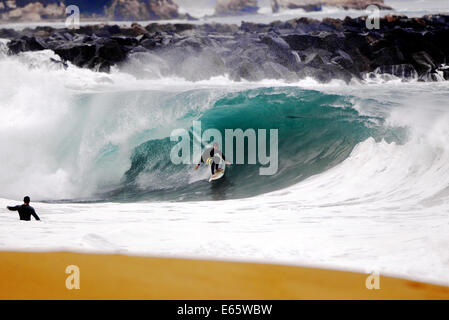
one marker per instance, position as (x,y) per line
(26,44)
(235,7)
(77,53)
(315,5)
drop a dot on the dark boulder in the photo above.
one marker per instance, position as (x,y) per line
(77,53)
(302,42)
(387,56)
(126,41)
(109,50)
(344,60)
(8,33)
(150,43)
(281,50)
(17,46)
(113,30)
(423,64)
(26,44)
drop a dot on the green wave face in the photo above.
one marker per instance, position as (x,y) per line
(316,131)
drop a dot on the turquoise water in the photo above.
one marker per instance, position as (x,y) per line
(316,131)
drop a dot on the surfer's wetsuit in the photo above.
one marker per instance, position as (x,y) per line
(210,153)
(25,212)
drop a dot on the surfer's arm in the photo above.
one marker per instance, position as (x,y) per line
(204,156)
(12,208)
(199,163)
(34,214)
(224,159)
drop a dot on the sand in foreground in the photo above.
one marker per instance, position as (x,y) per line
(25,275)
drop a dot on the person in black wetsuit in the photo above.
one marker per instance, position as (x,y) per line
(212,156)
(25,210)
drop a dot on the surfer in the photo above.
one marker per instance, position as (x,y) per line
(25,210)
(212,156)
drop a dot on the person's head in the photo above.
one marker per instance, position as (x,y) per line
(26,200)
(215,145)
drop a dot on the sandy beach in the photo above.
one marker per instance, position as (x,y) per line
(43,276)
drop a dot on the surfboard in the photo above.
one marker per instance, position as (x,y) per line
(218,175)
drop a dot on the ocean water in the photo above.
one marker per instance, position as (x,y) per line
(362,183)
